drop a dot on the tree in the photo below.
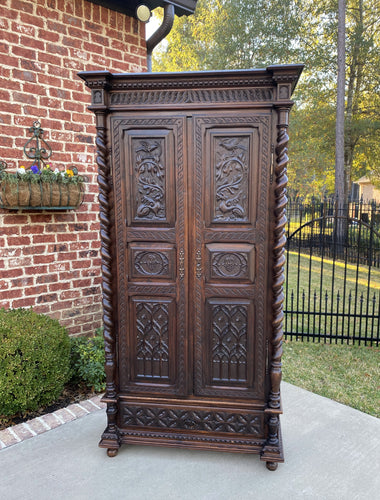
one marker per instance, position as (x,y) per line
(232,34)
(341,191)
(362,127)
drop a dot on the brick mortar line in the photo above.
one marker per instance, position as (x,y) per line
(83,408)
(47,427)
(40,425)
(58,417)
(14,434)
(27,426)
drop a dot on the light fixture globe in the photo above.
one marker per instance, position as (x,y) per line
(143,13)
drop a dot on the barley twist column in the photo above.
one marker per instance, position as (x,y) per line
(111,434)
(279,255)
(272,450)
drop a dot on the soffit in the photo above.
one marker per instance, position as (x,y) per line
(182,7)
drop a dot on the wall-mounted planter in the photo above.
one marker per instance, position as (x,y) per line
(39,187)
(40,196)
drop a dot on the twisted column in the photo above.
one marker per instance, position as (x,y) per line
(279,255)
(106,252)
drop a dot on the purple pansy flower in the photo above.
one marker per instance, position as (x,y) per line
(34,169)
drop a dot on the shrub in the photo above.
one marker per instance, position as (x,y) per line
(34,360)
(87,361)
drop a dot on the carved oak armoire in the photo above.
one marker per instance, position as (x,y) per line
(192,177)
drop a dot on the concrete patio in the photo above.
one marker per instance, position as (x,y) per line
(331,452)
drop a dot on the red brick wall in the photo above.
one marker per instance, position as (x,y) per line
(50,260)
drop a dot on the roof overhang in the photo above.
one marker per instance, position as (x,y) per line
(182,7)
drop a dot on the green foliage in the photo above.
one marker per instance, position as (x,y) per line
(45,175)
(233,34)
(87,361)
(230,34)
(34,360)
(311,147)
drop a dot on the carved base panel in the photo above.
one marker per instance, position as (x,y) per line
(198,427)
(196,440)
(210,420)
(192,440)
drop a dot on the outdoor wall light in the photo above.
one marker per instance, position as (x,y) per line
(143,13)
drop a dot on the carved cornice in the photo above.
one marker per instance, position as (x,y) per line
(157,81)
(194,80)
(239,86)
(289,73)
(188,81)
(179,96)
(96,79)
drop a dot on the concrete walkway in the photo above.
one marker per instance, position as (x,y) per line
(331,452)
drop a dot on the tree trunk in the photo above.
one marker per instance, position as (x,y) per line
(355,78)
(340,177)
(340,180)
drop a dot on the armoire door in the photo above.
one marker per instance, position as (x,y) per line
(229,248)
(192,271)
(151,226)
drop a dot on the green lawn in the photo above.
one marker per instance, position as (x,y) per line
(349,374)
(345,373)
(314,267)
(338,293)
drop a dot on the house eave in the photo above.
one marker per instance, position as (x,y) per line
(128,7)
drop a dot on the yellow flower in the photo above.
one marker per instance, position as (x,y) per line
(70,173)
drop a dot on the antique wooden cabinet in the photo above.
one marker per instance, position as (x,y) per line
(192,176)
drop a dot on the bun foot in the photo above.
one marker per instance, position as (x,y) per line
(112,452)
(271,465)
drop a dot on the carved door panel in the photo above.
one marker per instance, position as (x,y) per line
(151,236)
(232,158)
(217,239)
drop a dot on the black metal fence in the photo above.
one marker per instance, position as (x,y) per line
(332,291)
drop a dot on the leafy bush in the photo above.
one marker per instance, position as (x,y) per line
(87,361)
(34,360)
